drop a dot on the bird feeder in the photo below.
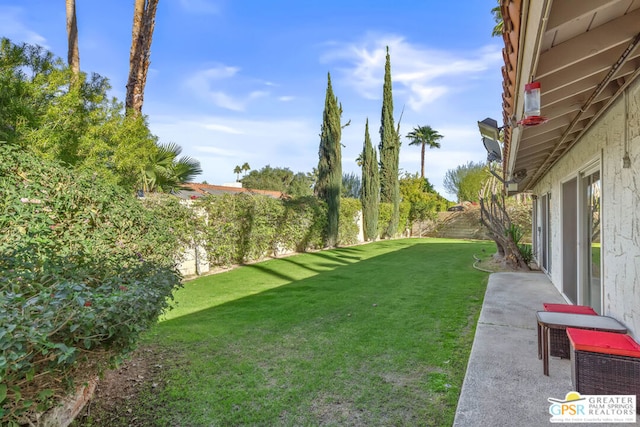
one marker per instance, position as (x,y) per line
(532,115)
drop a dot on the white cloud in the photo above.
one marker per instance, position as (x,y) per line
(215,73)
(221,128)
(220,143)
(11,22)
(204,84)
(215,150)
(223,100)
(286,98)
(424,74)
(421,94)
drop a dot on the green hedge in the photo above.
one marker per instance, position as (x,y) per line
(347,226)
(385,216)
(86,268)
(247,227)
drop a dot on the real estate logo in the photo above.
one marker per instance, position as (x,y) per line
(577,408)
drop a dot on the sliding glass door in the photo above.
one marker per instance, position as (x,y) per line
(591,265)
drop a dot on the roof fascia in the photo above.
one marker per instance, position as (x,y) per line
(535,15)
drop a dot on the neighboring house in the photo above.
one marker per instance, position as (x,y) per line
(194,190)
(582,165)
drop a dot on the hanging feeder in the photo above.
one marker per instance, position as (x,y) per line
(532,115)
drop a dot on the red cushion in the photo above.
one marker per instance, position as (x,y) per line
(603,342)
(568,308)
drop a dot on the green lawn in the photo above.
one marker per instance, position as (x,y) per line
(370,335)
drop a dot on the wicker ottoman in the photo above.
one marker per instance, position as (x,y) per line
(605,363)
(558,341)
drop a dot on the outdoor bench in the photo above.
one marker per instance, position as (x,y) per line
(558,341)
(604,363)
(548,320)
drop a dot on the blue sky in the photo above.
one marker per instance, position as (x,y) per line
(235,81)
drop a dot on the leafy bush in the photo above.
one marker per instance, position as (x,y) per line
(184,223)
(303,224)
(247,227)
(86,268)
(347,226)
(527,252)
(514,231)
(385,216)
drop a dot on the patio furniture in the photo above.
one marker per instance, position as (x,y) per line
(605,363)
(558,341)
(548,320)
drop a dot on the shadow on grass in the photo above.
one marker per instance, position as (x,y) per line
(378,332)
(413,261)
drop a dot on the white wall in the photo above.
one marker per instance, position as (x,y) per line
(620,223)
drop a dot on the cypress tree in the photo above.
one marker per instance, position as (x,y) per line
(328,185)
(389,153)
(370,196)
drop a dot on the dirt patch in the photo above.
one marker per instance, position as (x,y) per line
(120,392)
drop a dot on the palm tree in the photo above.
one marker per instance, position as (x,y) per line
(165,172)
(497,17)
(245,168)
(423,136)
(237,170)
(73,55)
(144,19)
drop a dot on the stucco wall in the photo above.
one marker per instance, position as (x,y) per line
(620,224)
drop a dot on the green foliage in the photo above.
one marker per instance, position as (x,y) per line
(78,124)
(328,185)
(424,136)
(244,227)
(527,252)
(424,203)
(348,230)
(466,181)
(184,224)
(165,172)
(351,185)
(386,210)
(303,224)
(519,211)
(497,17)
(370,188)
(86,268)
(389,153)
(279,179)
(515,233)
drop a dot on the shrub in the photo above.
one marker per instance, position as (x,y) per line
(86,268)
(527,252)
(347,226)
(247,227)
(303,224)
(385,216)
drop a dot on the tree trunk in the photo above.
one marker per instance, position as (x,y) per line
(144,16)
(73,55)
(497,221)
(422,161)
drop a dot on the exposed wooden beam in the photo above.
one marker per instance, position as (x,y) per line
(614,34)
(569,10)
(599,64)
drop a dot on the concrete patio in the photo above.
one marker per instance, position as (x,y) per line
(504,384)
